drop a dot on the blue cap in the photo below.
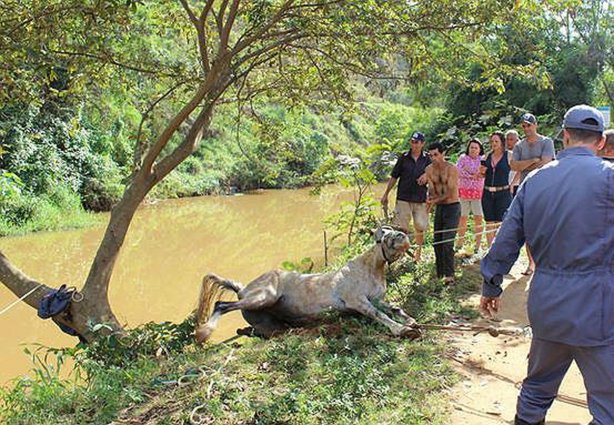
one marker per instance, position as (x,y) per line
(418,136)
(584,117)
(530,118)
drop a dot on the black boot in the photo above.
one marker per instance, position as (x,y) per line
(518,421)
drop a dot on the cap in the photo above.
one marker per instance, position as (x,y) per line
(584,117)
(418,136)
(530,118)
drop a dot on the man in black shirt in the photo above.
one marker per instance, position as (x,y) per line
(411,193)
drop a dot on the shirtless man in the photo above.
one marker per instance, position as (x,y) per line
(442,177)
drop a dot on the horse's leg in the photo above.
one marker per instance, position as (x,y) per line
(264,324)
(253,300)
(390,309)
(364,306)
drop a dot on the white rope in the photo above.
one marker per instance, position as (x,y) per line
(454,238)
(14,303)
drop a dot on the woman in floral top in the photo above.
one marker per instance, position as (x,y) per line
(470,187)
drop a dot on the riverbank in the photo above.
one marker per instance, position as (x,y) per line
(346,371)
(170,246)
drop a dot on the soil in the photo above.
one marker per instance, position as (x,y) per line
(493,368)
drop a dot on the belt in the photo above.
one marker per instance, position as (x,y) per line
(496,188)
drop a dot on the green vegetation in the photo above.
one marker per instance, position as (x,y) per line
(62,166)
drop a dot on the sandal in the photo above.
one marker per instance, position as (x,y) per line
(449,281)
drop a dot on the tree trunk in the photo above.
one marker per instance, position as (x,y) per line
(93,307)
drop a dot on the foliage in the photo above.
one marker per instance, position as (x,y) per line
(148,340)
(562,57)
(356,215)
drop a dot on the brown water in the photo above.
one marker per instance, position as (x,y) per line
(168,249)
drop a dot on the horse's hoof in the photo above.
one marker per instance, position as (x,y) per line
(203,333)
(410,333)
(248,331)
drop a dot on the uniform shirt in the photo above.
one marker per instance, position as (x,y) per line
(523,150)
(407,170)
(565,211)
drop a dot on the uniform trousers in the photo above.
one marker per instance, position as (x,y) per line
(548,363)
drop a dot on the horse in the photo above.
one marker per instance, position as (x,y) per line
(279,300)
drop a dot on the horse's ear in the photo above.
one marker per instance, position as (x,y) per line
(379,233)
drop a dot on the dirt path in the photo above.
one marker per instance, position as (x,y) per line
(493,369)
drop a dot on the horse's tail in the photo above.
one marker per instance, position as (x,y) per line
(211,291)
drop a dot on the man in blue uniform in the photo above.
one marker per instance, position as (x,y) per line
(565,212)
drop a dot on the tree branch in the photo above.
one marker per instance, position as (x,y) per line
(188,10)
(232,14)
(283,41)
(201,28)
(189,144)
(20,284)
(249,39)
(219,17)
(139,144)
(112,62)
(203,90)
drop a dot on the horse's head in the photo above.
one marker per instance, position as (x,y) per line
(394,242)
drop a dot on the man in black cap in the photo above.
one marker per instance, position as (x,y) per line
(531,153)
(564,211)
(411,194)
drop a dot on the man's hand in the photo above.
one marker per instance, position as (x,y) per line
(490,306)
(422,179)
(384,201)
(537,163)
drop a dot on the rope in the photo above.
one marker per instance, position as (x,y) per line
(456,229)
(454,238)
(492,330)
(197,418)
(14,303)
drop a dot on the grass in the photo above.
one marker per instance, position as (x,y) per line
(346,371)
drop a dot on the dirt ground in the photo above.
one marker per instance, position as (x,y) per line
(493,368)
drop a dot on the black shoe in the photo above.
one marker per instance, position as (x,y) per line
(518,421)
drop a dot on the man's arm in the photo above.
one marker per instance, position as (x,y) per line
(516,164)
(502,254)
(548,153)
(429,184)
(524,164)
(391,182)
